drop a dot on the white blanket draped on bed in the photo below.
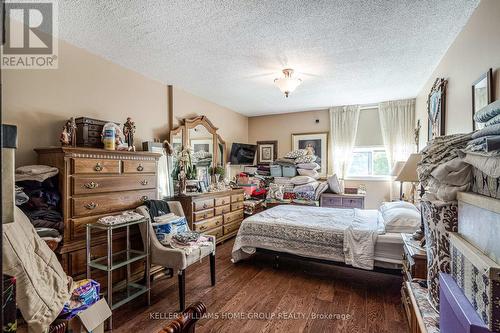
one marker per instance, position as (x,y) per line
(344,235)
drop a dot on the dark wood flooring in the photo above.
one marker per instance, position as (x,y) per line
(251,296)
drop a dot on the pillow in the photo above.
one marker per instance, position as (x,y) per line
(322,187)
(399,219)
(397,204)
(311,173)
(311,187)
(296,153)
(305,159)
(301,180)
(307,195)
(334,184)
(309,166)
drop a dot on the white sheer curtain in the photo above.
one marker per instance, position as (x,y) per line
(397,121)
(343,128)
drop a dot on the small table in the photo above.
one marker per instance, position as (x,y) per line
(414,259)
(113,261)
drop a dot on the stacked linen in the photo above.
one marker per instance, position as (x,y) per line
(305,187)
(442,171)
(308,169)
(487,139)
(303,160)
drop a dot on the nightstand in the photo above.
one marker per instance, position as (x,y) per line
(333,200)
(414,259)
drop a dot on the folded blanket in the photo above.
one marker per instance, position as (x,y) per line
(445,192)
(490,130)
(489,163)
(35,172)
(487,113)
(485,143)
(285,161)
(493,121)
(455,172)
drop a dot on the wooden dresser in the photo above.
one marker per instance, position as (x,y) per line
(218,213)
(342,200)
(94,183)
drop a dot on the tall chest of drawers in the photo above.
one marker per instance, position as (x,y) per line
(94,183)
(218,213)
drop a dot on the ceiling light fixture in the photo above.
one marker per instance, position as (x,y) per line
(287,84)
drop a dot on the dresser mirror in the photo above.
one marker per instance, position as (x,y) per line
(208,149)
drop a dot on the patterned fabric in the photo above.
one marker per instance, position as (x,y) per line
(494,120)
(296,153)
(482,292)
(429,315)
(439,219)
(484,184)
(305,159)
(487,114)
(306,195)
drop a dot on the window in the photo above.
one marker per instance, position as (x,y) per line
(369,162)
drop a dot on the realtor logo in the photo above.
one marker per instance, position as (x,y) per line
(30,35)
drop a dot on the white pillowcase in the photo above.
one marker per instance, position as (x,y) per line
(309,166)
(311,187)
(301,180)
(400,219)
(334,184)
(397,204)
(311,173)
(322,187)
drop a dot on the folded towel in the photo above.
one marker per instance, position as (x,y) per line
(35,172)
(490,130)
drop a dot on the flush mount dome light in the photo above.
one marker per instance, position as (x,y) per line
(287,84)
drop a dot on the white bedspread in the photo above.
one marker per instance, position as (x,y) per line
(344,235)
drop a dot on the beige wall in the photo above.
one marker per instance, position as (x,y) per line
(39,101)
(474,51)
(281,127)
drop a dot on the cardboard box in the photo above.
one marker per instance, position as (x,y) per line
(91,319)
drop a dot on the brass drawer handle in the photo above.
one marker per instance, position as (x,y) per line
(91,185)
(98,167)
(203,227)
(205,205)
(144,182)
(144,198)
(140,168)
(91,205)
(223,201)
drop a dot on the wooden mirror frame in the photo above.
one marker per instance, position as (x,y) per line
(190,123)
(224,153)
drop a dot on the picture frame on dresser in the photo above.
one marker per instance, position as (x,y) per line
(317,142)
(267,152)
(482,94)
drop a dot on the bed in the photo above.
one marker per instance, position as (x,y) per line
(354,237)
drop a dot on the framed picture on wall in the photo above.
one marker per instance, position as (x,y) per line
(482,94)
(317,143)
(436,109)
(267,151)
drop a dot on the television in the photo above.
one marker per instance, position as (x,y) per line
(242,154)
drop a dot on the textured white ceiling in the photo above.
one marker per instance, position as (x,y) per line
(229,52)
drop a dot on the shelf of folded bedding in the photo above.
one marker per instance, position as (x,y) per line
(118,260)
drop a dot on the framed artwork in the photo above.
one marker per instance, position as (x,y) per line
(267,151)
(482,94)
(202,145)
(436,109)
(317,143)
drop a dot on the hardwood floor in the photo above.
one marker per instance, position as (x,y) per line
(302,297)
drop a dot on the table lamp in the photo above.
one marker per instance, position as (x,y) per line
(408,173)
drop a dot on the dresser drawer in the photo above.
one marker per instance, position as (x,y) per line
(222,201)
(237,197)
(233,217)
(229,228)
(208,224)
(203,204)
(95,184)
(108,203)
(134,166)
(96,166)
(222,209)
(203,215)
(217,232)
(352,202)
(327,201)
(236,206)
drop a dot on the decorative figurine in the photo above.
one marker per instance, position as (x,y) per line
(128,132)
(68,134)
(416,134)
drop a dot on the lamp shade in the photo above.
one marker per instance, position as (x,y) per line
(397,168)
(409,171)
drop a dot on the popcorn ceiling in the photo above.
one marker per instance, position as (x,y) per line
(229,52)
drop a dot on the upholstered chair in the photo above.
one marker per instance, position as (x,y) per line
(176,259)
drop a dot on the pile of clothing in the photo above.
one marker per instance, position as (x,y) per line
(443,170)
(190,241)
(37,194)
(302,159)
